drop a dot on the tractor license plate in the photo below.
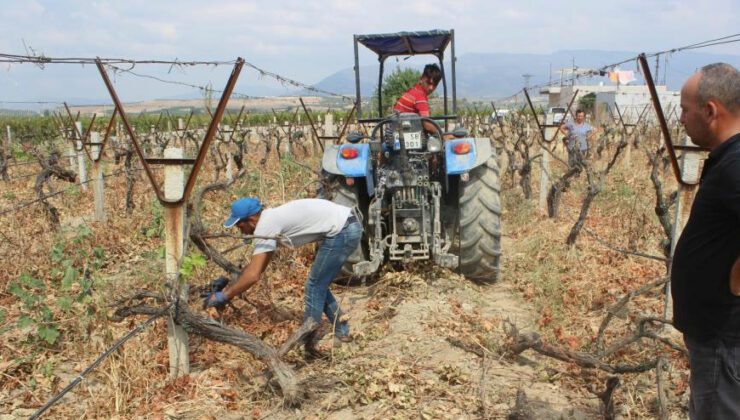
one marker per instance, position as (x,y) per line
(412,140)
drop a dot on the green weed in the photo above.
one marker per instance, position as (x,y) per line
(191,264)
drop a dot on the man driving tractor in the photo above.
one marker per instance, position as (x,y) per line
(415,100)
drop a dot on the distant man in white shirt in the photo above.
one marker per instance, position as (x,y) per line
(578,134)
(300,222)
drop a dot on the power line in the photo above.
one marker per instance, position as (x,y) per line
(42,60)
(711,40)
(174,82)
(284,80)
(714,43)
(279,78)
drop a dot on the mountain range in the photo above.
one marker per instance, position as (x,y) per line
(495,75)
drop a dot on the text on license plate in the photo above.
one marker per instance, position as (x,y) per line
(412,140)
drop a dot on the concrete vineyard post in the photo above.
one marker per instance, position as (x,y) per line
(229,163)
(544,177)
(174,219)
(181,131)
(8,143)
(97,176)
(549,133)
(329,124)
(71,155)
(81,164)
(227,142)
(690,174)
(628,148)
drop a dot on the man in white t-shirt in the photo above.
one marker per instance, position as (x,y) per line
(577,138)
(294,224)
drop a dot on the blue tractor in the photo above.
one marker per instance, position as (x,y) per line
(420,197)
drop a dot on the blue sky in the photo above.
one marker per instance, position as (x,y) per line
(308,40)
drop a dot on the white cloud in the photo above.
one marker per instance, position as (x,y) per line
(307,40)
(23,10)
(224,10)
(163,30)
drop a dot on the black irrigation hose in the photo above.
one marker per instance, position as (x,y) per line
(97,361)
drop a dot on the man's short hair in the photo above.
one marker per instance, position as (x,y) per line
(433,73)
(721,82)
(580,111)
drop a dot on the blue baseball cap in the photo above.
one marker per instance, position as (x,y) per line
(243,208)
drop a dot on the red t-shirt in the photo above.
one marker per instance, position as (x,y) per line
(414,101)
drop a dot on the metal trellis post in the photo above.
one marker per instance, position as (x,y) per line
(174,197)
(686,173)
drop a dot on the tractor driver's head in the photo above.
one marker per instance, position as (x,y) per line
(430,78)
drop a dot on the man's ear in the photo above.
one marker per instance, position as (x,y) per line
(711,109)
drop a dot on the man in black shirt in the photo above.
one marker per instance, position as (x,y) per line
(705,273)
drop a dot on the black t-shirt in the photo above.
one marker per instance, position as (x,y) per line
(703,307)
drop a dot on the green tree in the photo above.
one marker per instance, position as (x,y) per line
(586,102)
(394,85)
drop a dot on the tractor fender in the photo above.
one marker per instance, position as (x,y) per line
(480,151)
(357,167)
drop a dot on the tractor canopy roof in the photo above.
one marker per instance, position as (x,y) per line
(407,43)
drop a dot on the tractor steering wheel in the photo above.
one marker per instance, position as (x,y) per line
(434,123)
(388,120)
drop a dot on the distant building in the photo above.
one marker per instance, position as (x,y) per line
(631,101)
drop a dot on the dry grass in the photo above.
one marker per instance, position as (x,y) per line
(400,365)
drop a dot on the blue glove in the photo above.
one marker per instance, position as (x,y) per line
(220,284)
(217,285)
(216,299)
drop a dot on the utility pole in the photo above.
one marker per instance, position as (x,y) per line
(526,77)
(573,73)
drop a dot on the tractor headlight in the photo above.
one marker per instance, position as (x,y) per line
(434,144)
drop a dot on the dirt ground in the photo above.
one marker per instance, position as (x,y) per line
(428,343)
(411,361)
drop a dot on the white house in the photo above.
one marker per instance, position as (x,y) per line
(631,101)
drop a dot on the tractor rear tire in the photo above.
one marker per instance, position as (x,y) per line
(480,223)
(335,189)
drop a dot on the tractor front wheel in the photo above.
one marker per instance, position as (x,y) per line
(480,223)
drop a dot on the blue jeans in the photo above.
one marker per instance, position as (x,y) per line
(332,254)
(715,379)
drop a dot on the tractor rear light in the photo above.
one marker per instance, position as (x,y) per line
(461,148)
(350,182)
(350,153)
